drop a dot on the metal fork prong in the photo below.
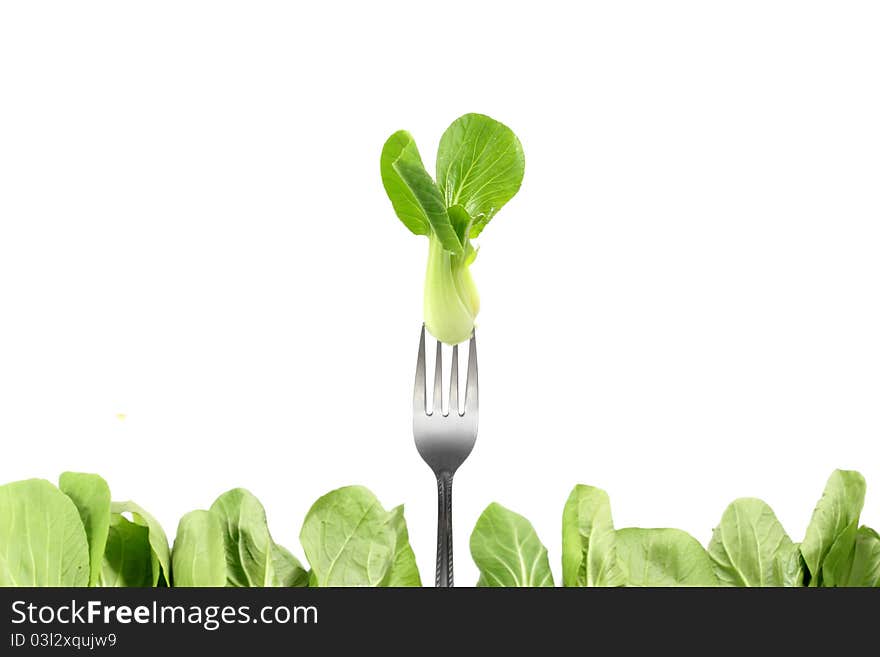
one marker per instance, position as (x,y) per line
(420,403)
(471,395)
(438,380)
(453,382)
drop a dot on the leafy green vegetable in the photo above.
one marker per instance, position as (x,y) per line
(834,522)
(854,559)
(128,557)
(53,537)
(411,189)
(589,556)
(750,548)
(91,495)
(288,570)
(403,570)
(865,568)
(249,546)
(480,166)
(663,557)
(347,539)
(507,550)
(42,540)
(198,557)
(401,146)
(230,545)
(160,554)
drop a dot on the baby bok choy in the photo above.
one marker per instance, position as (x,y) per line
(480,167)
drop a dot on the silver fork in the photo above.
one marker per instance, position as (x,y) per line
(444,441)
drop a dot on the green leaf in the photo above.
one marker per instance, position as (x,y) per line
(288,570)
(834,520)
(416,198)
(42,539)
(401,145)
(160,554)
(91,495)
(663,557)
(252,557)
(128,557)
(461,223)
(199,557)
(507,550)
(431,201)
(854,559)
(347,539)
(865,569)
(249,545)
(480,165)
(403,571)
(750,548)
(588,551)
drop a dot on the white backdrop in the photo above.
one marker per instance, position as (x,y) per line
(680,306)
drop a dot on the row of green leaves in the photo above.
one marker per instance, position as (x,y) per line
(749,547)
(74,535)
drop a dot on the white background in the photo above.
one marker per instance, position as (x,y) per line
(680,305)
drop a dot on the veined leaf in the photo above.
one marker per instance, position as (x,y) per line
(588,540)
(834,520)
(42,540)
(403,570)
(480,165)
(431,201)
(416,198)
(160,554)
(288,570)
(402,145)
(347,539)
(853,560)
(247,539)
(128,558)
(507,550)
(199,557)
(663,557)
(91,495)
(750,548)
(865,569)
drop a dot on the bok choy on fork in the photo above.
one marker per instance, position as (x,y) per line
(480,167)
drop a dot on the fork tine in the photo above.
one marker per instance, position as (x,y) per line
(438,380)
(453,382)
(420,404)
(471,395)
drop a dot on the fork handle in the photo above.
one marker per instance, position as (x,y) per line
(444,529)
